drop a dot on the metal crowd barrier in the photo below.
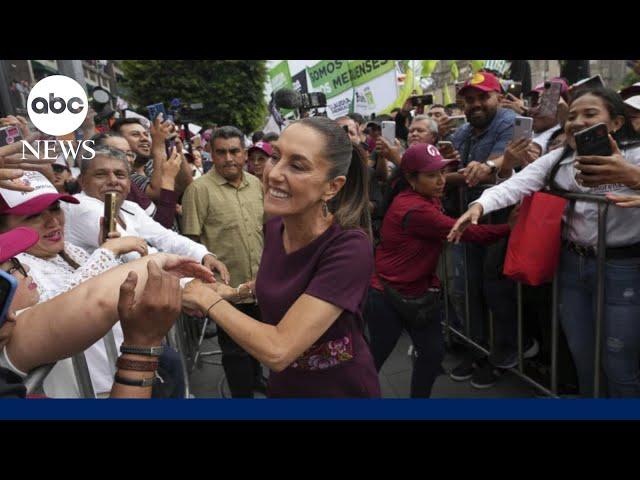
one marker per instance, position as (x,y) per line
(552,390)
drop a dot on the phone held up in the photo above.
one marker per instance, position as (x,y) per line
(523,128)
(8,287)
(9,135)
(109,215)
(389,131)
(549,98)
(593,141)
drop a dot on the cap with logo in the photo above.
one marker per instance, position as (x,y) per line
(17,241)
(483,81)
(423,157)
(31,203)
(263,147)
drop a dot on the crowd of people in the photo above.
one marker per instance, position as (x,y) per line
(312,250)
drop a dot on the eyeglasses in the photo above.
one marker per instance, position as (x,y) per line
(17,266)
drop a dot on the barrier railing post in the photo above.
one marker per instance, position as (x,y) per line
(111,349)
(83,378)
(555,334)
(601,258)
(33,382)
(445,296)
(177,335)
(520,333)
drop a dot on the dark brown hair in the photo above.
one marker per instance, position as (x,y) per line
(350,205)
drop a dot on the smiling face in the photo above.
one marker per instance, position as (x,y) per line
(27,293)
(480,107)
(106,174)
(138,138)
(296,178)
(50,226)
(586,111)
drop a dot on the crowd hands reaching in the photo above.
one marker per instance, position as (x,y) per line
(189,238)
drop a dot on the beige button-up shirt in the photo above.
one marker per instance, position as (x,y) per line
(228,221)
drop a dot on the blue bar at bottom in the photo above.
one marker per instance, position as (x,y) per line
(400,409)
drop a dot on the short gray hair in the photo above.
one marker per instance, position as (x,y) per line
(104,151)
(433,125)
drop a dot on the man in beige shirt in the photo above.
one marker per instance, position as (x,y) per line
(224,208)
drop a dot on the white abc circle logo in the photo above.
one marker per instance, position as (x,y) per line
(57,105)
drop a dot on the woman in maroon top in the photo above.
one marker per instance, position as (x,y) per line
(412,238)
(314,273)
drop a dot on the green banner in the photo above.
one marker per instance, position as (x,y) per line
(280,76)
(363,71)
(330,77)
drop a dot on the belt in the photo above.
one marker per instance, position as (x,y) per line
(611,253)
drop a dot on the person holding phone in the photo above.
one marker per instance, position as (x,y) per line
(566,170)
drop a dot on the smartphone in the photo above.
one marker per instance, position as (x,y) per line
(9,135)
(594,141)
(444,144)
(549,98)
(8,287)
(418,100)
(522,128)
(514,88)
(389,131)
(591,82)
(458,120)
(109,214)
(155,110)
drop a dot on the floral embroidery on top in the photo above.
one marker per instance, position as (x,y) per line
(326,355)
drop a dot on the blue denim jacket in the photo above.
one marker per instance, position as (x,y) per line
(493,141)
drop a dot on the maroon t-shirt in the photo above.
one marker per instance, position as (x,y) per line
(335,267)
(407,256)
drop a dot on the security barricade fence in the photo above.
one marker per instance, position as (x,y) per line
(187,338)
(552,389)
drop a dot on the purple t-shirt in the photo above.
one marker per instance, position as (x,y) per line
(335,267)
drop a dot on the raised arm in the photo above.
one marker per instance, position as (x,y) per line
(75,320)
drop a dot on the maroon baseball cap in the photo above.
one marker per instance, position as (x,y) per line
(484,81)
(423,157)
(17,241)
(34,202)
(564,89)
(263,146)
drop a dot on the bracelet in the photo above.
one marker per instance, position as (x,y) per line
(214,304)
(148,351)
(137,365)
(147,382)
(208,253)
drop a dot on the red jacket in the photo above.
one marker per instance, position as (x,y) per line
(407,258)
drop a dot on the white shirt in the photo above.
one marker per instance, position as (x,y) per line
(623,224)
(82,228)
(542,138)
(55,276)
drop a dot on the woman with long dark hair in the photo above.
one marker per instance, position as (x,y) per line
(314,272)
(618,174)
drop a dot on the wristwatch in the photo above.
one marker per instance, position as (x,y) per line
(492,165)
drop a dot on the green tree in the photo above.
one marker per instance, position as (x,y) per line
(231,91)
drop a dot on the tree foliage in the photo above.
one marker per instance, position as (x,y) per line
(231,91)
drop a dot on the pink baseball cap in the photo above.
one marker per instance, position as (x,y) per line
(263,146)
(34,202)
(17,241)
(423,157)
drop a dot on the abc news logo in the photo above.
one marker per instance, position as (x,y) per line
(58,106)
